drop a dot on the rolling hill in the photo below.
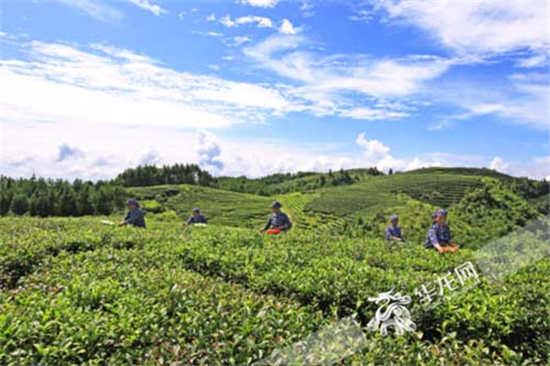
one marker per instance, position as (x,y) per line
(220,207)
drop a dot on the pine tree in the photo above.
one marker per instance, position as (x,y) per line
(67,203)
(19,204)
(103,202)
(44,207)
(85,205)
(33,205)
(5,201)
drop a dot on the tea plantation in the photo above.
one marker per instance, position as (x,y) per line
(77,291)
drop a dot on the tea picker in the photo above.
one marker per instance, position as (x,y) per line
(196,218)
(393,231)
(439,235)
(278,221)
(135,216)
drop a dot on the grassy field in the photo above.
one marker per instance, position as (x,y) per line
(79,291)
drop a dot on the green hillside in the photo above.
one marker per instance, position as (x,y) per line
(220,207)
(484,172)
(298,182)
(437,189)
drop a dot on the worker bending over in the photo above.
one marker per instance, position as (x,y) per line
(393,231)
(135,216)
(439,235)
(278,221)
(196,217)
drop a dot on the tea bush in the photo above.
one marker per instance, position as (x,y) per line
(76,291)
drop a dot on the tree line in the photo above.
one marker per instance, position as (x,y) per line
(294,182)
(47,197)
(150,175)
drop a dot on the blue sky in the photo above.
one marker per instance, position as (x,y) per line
(261,86)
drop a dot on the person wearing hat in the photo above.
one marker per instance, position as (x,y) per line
(393,231)
(439,235)
(278,221)
(135,216)
(196,218)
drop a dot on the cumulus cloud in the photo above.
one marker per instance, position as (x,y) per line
(287,27)
(376,153)
(209,151)
(66,152)
(116,148)
(150,157)
(261,22)
(537,167)
(499,165)
(373,150)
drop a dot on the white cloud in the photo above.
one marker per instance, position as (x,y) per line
(148,6)
(68,152)
(287,27)
(499,165)
(108,149)
(307,8)
(261,3)
(373,150)
(376,153)
(477,26)
(261,22)
(96,9)
(209,152)
(522,99)
(362,15)
(537,167)
(239,40)
(325,82)
(534,61)
(107,85)
(374,114)
(104,11)
(151,157)
(382,77)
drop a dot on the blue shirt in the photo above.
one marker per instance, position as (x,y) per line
(278,220)
(199,219)
(393,231)
(135,217)
(438,234)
